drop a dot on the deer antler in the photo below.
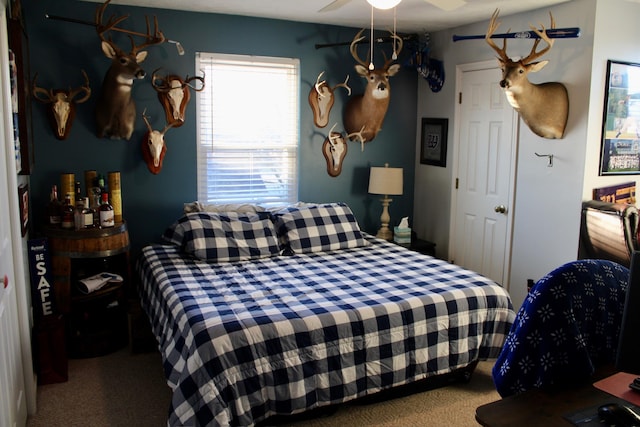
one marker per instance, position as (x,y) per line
(113,21)
(319,84)
(188,80)
(353,49)
(86,89)
(493,26)
(344,85)
(38,92)
(164,86)
(396,52)
(146,120)
(542,33)
(359,136)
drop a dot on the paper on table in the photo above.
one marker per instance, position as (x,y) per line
(93,283)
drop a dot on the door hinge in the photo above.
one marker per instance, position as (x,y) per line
(457,183)
(459,97)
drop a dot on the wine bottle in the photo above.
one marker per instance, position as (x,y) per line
(106,212)
(54,209)
(67,212)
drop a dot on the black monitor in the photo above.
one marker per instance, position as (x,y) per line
(628,357)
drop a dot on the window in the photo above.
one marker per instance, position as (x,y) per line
(248,129)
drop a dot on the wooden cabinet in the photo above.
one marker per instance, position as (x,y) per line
(96,323)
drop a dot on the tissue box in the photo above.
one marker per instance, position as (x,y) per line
(401,235)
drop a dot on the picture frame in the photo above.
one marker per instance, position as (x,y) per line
(433,141)
(620,143)
(23,200)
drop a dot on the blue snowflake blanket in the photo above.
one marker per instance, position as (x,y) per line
(567,326)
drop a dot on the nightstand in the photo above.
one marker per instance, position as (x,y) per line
(418,245)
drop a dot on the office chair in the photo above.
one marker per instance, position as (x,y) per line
(566,328)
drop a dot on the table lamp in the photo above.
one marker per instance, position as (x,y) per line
(385,181)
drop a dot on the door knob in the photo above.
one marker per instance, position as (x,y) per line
(500,209)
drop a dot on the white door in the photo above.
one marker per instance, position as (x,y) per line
(483,197)
(13,406)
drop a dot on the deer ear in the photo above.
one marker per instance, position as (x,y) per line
(108,50)
(393,70)
(141,56)
(537,66)
(361,70)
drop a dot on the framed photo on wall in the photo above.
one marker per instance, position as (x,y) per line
(620,145)
(433,142)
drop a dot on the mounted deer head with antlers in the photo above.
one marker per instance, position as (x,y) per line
(543,107)
(334,150)
(368,110)
(174,94)
(153,146)
(63,104)
(115,109)
(321,99)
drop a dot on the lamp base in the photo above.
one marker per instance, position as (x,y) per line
(385,233)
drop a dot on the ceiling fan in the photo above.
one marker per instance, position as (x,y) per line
(445,5)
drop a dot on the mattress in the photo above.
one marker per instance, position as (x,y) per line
(242,341)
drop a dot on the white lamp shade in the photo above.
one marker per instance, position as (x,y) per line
(385,180)
(383,4)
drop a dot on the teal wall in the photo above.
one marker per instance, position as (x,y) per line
(59,50)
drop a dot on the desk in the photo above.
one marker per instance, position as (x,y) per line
(537,408)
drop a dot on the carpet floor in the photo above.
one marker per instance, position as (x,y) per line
(124,389)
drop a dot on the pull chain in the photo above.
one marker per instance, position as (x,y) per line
(395,54)
(371,67)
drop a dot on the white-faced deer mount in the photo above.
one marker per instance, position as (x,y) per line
(153,146)
(334,150)
(115,109)
(365,113)
(62,110)
(543,107)
(321,99)
(174,94)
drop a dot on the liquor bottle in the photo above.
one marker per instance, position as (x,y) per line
(115,195)
(78,219)
(106,212)
(88,214)
(54,209)
(95,194)
(67,212)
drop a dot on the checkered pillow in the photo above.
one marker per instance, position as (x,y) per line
(223,237)
(318,228)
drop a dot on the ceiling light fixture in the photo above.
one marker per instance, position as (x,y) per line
(384,4)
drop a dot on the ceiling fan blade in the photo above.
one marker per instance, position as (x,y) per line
(334,5)
(447,5)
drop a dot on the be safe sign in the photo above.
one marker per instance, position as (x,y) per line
(41,277)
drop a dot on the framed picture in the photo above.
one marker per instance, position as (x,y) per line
(620,149)
(23,196)
(433,142)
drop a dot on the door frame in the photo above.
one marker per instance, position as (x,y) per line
(460,70)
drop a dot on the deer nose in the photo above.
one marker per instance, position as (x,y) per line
(504,83)
(382,86)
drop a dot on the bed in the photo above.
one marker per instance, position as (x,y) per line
(267,313)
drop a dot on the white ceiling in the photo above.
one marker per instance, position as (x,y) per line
(413,16)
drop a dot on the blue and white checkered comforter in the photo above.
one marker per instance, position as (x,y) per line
(243,341)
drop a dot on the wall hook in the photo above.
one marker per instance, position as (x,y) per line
(550,156)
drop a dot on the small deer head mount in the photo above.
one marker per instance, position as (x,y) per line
(115,109)
(365,113)
(543,107)
(334,149)
(153,146)
(62,102)
(321,99)
(174,94)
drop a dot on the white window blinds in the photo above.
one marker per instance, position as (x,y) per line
(248,129)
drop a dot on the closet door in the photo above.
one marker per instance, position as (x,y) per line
(13,405)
